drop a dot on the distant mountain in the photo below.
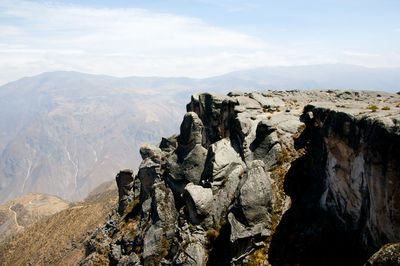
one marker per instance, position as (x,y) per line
(335,76)
(64,133)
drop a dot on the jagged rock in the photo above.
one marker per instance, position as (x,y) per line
(131,260)
(247,183)
(191,131)
(198,201)
(187,166)
(149,172)
(221,159)
(125,183)
(224,193)
(169,144)
(208,107)
(154,242)
(266,146)
(194,252)
(256,195)
(150,151)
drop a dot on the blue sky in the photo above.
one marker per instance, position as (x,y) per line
(195,38)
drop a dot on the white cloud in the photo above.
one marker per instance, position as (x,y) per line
(124,42)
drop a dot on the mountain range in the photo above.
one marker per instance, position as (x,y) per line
(64,133)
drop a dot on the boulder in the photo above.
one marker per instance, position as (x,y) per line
(256,195)
(198,201)
(185,165)
(221,159)
(191,130)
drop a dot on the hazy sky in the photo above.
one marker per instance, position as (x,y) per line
(194,38)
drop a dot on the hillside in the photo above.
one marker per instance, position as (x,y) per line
(59,239)
(20,213)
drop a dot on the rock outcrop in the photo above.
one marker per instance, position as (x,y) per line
(281,177)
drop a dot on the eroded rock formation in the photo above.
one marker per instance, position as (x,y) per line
(281,177)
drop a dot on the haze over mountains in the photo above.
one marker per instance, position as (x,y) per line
(64,133)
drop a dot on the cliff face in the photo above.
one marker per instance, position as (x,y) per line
(257,178)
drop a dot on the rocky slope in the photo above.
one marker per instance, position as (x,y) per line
(18,214)
(59,239)
(281,177)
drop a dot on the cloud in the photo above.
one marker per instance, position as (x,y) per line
(47,36)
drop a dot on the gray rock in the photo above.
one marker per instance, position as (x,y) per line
(241,231)
(150,151)
(149,172)
(191,131)
(221,159)
(131,260)
(152,244)
(256,195)
(198,201)
(224,194)
(116,252)
(125,183)
(266,146)
(270,103)
(169,144)
(187,166)
(248,103)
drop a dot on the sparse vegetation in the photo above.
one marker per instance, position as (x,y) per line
(283,157)
(386,108)
(373,108)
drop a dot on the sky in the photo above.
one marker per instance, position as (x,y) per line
(193,38)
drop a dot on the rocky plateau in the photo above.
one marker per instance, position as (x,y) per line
(268,177)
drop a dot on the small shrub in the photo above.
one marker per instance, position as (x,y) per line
(212,235)
(386,108)
(283,157)
(373,108)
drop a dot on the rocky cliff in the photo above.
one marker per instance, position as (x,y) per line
(280,177)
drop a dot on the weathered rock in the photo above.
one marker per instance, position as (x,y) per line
(149,172)
(266,146)
(131,260)
(247,182)
(221,159)
(269,103)
(125,183)
(256,195)
(191,131)
(187,166)
(152,152)
(169,144)
(198,201)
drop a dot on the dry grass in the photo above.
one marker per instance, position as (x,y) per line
(57,239)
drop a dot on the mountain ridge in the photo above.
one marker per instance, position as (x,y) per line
(64,132)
